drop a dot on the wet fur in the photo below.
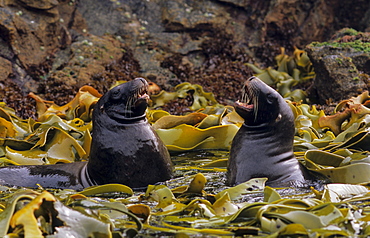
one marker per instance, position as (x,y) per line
(125,149)
(263,146)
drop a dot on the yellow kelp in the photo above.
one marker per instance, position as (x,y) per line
(291,70)
(61,133)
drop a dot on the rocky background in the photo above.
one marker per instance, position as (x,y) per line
(53,47)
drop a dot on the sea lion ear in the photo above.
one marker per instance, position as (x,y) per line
(278,118)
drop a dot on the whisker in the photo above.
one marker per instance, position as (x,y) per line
(128,106)
(255,96)
(249,95)
(135,94)
(255,109)
(242,99)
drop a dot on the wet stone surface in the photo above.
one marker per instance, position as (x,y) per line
(52,47)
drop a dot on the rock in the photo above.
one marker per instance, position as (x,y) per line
(31,36)
(155,30)
(5,69)
(40,4)
(239,3)
(161,28)
(341,66)
(87,58)
(179,15)
(294,22)
(167,41)
(104,17)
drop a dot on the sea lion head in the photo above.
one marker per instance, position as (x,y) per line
(260,104)
(125,102)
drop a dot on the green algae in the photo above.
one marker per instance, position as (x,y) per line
(349,39)
(349,31)
(356,46)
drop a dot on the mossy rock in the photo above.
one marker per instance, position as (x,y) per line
(341,65)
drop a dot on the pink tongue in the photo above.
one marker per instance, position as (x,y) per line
(145,96)
(248,106)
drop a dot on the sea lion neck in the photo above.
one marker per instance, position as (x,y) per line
(259,127)
(122,119)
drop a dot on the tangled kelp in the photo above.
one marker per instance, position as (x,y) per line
(337,145)
(190,210)
(200,100)
(61,134)
(212,126)
(192,202)
(291,71)
(215,130)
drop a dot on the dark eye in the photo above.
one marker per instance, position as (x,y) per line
(116,94)
(270,98)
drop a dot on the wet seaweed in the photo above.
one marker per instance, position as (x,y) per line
(196,200)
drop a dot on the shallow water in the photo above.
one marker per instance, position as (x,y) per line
(194,220)
(188,164)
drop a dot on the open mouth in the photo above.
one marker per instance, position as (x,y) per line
(141,95)
(246,105)
(247,101)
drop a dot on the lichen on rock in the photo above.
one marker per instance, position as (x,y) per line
(341,66)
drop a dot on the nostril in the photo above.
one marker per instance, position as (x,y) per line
(142,80)
(251,78)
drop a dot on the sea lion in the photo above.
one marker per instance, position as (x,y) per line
(263,146)
(124,149)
